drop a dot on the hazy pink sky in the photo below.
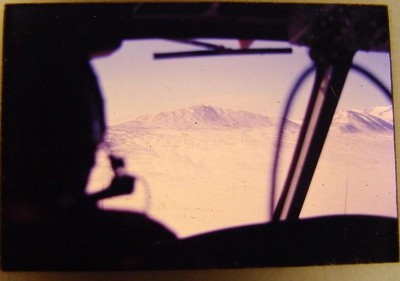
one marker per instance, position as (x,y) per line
(133,83)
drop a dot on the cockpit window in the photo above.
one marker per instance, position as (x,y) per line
(200,133)
(356,171)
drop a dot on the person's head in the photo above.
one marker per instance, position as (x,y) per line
(52,108)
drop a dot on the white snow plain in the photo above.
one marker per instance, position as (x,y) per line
(204,168)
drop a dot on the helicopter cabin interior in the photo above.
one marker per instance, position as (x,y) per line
(54,122)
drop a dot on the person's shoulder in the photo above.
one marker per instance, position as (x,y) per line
(138,224)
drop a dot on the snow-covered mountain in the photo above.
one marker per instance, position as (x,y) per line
(377,119)
(383,112)
(203,117)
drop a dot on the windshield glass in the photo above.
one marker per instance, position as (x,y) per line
(199,133)
(356,170)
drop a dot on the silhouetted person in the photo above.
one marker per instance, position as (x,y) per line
(52,124)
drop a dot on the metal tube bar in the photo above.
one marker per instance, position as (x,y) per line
(328,85)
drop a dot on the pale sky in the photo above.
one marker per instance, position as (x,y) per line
(133,83)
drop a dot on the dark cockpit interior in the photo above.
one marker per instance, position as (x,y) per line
(53,122)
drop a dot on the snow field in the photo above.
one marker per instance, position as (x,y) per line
(212,178)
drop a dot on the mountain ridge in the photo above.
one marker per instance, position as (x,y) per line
(202,117)
(378,119)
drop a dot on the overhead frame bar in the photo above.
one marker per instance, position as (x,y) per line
(222,52)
